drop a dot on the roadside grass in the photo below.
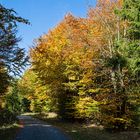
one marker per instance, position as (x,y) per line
(79,131)
(8,132)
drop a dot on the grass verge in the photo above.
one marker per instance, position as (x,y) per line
(79,131)
(8,132)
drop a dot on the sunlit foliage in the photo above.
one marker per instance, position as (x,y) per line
(85,64)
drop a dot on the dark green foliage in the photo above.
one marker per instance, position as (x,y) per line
(5,80)
(116,61)
(131,12)
(25,105)
(7,117)
(13,100)
(66,106)
(11,56)
(12,61)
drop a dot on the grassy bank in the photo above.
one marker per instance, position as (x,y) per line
(9,132)
(79,131)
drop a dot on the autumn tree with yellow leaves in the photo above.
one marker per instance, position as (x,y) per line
(84,64)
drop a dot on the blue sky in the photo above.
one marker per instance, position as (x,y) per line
(44,15)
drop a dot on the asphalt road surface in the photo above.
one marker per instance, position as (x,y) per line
(34,129)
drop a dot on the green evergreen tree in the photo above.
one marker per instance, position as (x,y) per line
(11,56)
(131,50)
(131,13)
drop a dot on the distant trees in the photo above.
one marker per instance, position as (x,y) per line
(34,95)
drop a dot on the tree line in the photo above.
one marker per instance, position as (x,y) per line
(88,68)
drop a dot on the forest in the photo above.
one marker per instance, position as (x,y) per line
(83,69)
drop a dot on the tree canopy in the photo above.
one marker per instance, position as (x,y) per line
(82,69)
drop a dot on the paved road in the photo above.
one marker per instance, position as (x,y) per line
(34,129)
